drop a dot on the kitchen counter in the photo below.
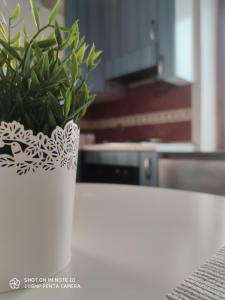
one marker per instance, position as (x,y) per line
(137,243)
(193,171)
(145,146)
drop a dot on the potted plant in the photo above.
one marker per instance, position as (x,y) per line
(43,95)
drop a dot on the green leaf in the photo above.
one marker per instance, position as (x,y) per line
(46,43)
(58,35)
(54,12)
(20,102)
(74,65)
(34,78)
(15,38)
(50,86)
(10,50)
(24,28)
(68,42)
(90,58)
(75,28)
(37,52)
(40,87)
(52,59)
(45,66)
(65,29)
(27,62)
(87,100)
(28,120)
(81,53)
(35,14)
(2,31)
(80,43)
(51,118)
(84,92)
(75,114)
(97,55)
(16,12)
(72,38)
(57,74)
(67,102)
(25,43)
(56,107)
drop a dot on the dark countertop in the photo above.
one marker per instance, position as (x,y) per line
(194,155)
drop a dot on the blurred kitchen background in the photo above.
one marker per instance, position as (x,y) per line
(159,114)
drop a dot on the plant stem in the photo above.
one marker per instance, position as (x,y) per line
(9,31)
(39,31)
(31,41)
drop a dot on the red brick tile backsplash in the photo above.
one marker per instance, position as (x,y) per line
(145,99)
(173,132)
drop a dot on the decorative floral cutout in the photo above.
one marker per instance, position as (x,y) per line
(29,152)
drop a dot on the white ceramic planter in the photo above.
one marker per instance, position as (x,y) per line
(37,185)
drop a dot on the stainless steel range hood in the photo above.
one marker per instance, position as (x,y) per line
(176,49)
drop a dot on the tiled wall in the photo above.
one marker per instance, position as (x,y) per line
(158,110)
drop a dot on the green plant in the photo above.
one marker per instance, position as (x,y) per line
(43,80)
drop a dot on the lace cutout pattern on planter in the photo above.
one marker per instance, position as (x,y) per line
(27,152)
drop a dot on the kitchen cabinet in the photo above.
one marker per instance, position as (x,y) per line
(176,36)
(131,36)
(166,15)
(132,167)
(148,168)
(139,39)
(90,14)
(109,166)
(192,171)
(125,30)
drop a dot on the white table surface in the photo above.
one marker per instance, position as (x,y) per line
(136,243)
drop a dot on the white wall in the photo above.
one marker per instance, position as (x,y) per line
(208,74)
(184,44)
(204,90)
(26,12)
